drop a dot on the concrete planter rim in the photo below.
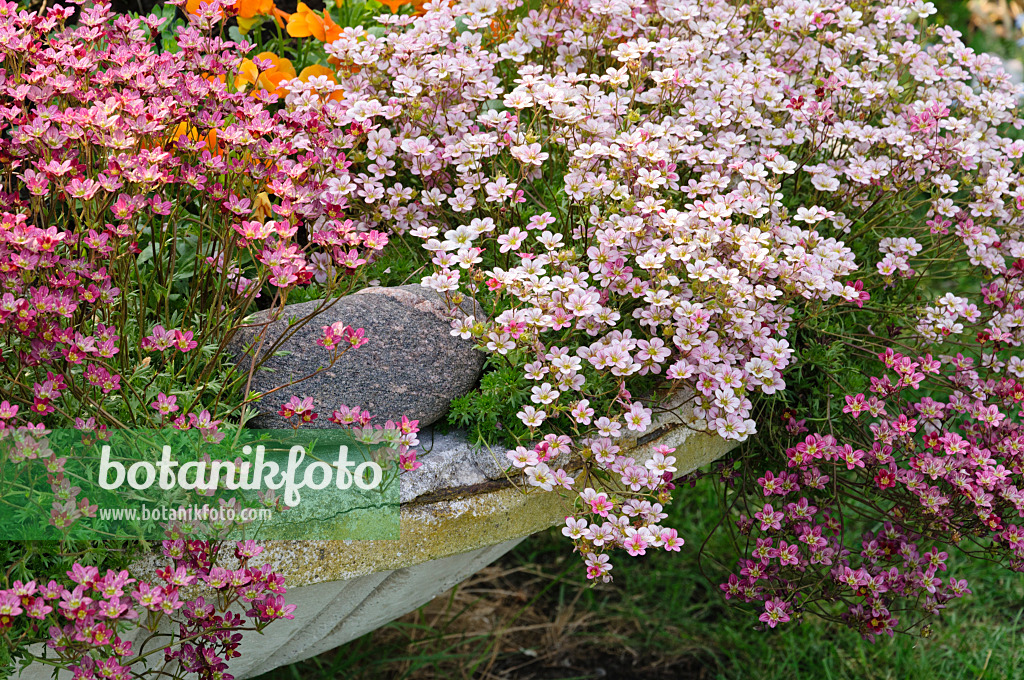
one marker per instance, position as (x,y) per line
(461,500)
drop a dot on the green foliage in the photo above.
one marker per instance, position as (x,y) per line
(354,13)
(404,261)
(488,414)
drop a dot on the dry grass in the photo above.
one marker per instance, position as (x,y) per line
(520,622)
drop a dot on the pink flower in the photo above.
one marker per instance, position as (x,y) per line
(671,540)
(159,339)
(774,612)
(301,408)
(184,341)
(407,461)
(635,543)
(271,608)
(10,606)
(855,405)
(165,405)
(598,566)
(770,518)
(338,334)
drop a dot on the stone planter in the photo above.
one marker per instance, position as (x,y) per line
(459,513)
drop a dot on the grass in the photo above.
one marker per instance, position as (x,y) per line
(532,615)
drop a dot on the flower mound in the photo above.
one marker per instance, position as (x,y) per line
(643,192)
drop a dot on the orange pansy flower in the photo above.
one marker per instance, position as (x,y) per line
(270,79)
(249,12)
(263,209)
(349,70)
(245,10)
(281,17)
(394,5)
(247,74)
(305,23)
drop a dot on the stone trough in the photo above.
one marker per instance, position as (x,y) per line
(459,514)
(459,511)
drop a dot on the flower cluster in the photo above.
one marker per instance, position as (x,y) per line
(149,206)
(942,471)
(643,197)
(390,437)
(89,617)
(648,192)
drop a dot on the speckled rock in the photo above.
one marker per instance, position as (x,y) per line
(410,365)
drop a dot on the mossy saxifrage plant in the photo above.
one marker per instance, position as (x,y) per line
(648,198)
(688,196)
(151,201)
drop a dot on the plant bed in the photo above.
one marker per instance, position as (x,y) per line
(536,223)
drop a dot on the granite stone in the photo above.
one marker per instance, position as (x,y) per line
(411,365)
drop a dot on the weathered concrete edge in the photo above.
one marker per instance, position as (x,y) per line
(434,530)
(455,468)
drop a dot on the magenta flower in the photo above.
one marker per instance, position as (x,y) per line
(183,341)
(271,608)
(165,405)
(300,408)
(775,613)
(407,461)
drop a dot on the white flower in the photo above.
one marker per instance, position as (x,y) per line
(463,328)
(531,417)
(575,528)
(543,394)
(660,463)
(540,475)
